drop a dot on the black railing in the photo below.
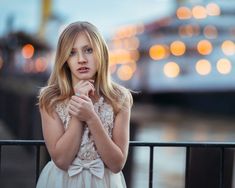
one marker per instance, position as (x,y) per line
(188,145)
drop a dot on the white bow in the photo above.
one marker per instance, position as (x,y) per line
(96,167)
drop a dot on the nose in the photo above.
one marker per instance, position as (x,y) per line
(81,59)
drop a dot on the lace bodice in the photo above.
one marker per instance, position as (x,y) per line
(87,148)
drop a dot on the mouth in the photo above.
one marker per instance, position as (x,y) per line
(83,69)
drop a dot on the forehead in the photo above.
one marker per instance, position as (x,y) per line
(81,40)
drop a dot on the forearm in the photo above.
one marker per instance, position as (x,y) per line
(110,153)
(67,146)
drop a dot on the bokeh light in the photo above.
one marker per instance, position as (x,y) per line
(204,47)
(27,51)
(171,69)
(158,52)
(203,67)
(228,47)
(125,72)
(213,9)
(177,48)
(183,13)
(224,66)
(199,12)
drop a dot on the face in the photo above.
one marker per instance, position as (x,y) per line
(82,61)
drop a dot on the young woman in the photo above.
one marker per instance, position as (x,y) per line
(85,115)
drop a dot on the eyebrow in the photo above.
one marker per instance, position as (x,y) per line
(85,46)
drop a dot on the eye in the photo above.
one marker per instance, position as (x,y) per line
(88,50)
(72,53)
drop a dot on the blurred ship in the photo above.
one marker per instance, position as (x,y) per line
(185,59)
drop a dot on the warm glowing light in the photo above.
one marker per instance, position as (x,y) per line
(203,67)
(183,13)
(134,55)
(128,31)
(27,51)
(40,65)
(213,9)
(199,12)
(125,72)
(171,69)
(117,43)
(131,43)
(177,48)
(120,57)
(224,66)
(210,31)
(186,30)
(204,47)
(157,52)
(228,47)
(189,30)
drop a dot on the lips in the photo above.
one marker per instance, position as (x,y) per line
(83,69)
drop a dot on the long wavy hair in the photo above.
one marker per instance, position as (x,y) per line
(59,87)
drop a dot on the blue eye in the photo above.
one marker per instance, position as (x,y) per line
(88,50)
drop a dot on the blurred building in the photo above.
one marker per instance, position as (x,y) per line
(192,50)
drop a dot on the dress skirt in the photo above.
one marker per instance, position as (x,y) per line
(53,177)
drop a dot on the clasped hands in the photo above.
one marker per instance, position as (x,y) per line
(80,104)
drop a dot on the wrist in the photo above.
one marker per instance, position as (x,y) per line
(92,120)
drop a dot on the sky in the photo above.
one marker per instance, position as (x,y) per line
(105,14)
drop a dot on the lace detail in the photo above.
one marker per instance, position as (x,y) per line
(62,111)
(87,148)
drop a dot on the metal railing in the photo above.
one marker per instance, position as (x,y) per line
(151,145)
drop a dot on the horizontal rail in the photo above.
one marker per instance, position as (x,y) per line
(151,145)
(133,143)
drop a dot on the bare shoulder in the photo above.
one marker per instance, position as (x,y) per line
(126,99)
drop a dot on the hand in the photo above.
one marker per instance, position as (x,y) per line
(85,87)
(81,107)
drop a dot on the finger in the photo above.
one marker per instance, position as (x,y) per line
(92,89)
(74,103)
(84,98)
(72,112)
(73,108)
(75,98)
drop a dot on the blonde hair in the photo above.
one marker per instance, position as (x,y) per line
(59,87)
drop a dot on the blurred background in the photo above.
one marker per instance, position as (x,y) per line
(178,55)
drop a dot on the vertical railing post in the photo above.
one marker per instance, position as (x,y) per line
(0,160)
(151,167)
(222,168)
(187,166)
(37,161)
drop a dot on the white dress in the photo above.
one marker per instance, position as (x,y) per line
(87,170)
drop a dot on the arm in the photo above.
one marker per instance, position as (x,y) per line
(112,151)
(62,145)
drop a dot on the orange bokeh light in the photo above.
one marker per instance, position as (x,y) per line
(204,47)
(199,12)
(203,67)
(171,69)
(177,48)
(224,66)
(125,72)
(183,13)
(40,65)
(228,47)
(27,51)
(158,52)
(213,9)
